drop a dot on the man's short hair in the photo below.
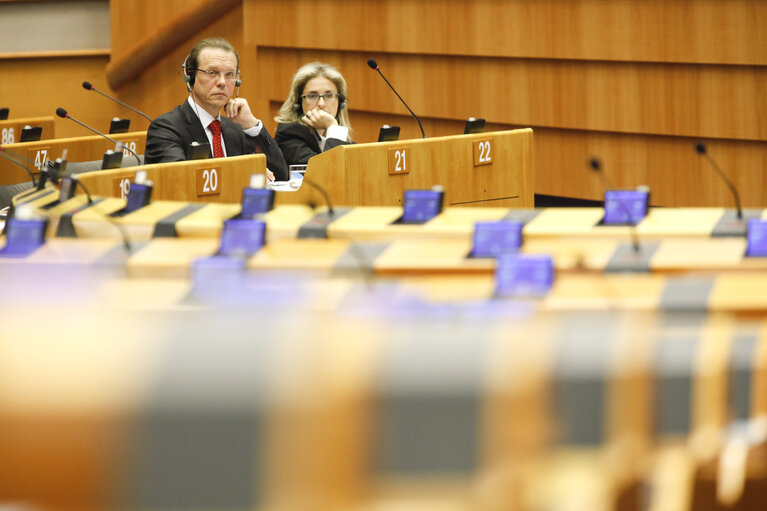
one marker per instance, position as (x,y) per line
(212,42)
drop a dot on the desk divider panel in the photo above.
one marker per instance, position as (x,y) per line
(10,129)
(78,149)
(184,180)
(368,175)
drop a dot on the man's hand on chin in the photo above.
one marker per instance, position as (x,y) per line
(238,110)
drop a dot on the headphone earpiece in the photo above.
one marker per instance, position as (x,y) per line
(238,82)
(341,102)
(298,108)
(188,74)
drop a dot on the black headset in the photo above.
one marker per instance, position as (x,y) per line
(189,75)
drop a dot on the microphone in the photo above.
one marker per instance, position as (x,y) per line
(374,66)
(89,86)
(12,157)
(700,147)
(324,194)
(120,227)
(65,115)
(596,166)
(72,186)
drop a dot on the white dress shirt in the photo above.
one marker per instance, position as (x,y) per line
(206,119)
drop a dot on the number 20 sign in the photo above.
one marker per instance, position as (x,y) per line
(208,181)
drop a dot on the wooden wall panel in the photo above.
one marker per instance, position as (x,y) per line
(133,20)
(675,173)
(36,86)
(161,87)
(636,83)
(688,31)
(703,101)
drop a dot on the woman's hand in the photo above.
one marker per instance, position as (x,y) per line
(319,119)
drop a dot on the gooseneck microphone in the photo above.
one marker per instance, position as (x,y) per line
(374,66)
(596,166)
(120,227)
(700,147)
(65,115)
(324,194)
(17,160)
(89,86)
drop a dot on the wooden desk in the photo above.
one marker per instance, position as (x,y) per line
(366,175)
(10,129)
(681,243)
(209,180)
(377,351)
(78,149)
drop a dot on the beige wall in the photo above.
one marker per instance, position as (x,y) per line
(54,26)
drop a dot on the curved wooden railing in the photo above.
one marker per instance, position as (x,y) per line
(153,47)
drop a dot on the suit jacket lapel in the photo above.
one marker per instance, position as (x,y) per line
(195,126)
(232,138)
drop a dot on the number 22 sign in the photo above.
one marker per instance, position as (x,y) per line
(483,152)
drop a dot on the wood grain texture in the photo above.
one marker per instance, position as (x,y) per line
(37,86)
(684,31)
(55,54)
(356,175)
(160,87)
(659,99)
(635,83)
(79,149)
(12,128)
(622,80)
(167,37)
(177,181)
(132,21)
(675,173)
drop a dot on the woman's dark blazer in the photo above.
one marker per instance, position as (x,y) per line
(299,143)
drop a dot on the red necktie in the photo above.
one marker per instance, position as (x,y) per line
(215,128)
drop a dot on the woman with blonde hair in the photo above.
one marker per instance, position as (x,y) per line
(314,118)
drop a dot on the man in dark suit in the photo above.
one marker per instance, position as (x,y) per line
(211,72)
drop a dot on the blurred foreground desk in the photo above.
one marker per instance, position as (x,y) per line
(370,369)
(351,392)
(676,240)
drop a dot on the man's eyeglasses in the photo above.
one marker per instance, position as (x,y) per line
(313,97)
(229,76)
